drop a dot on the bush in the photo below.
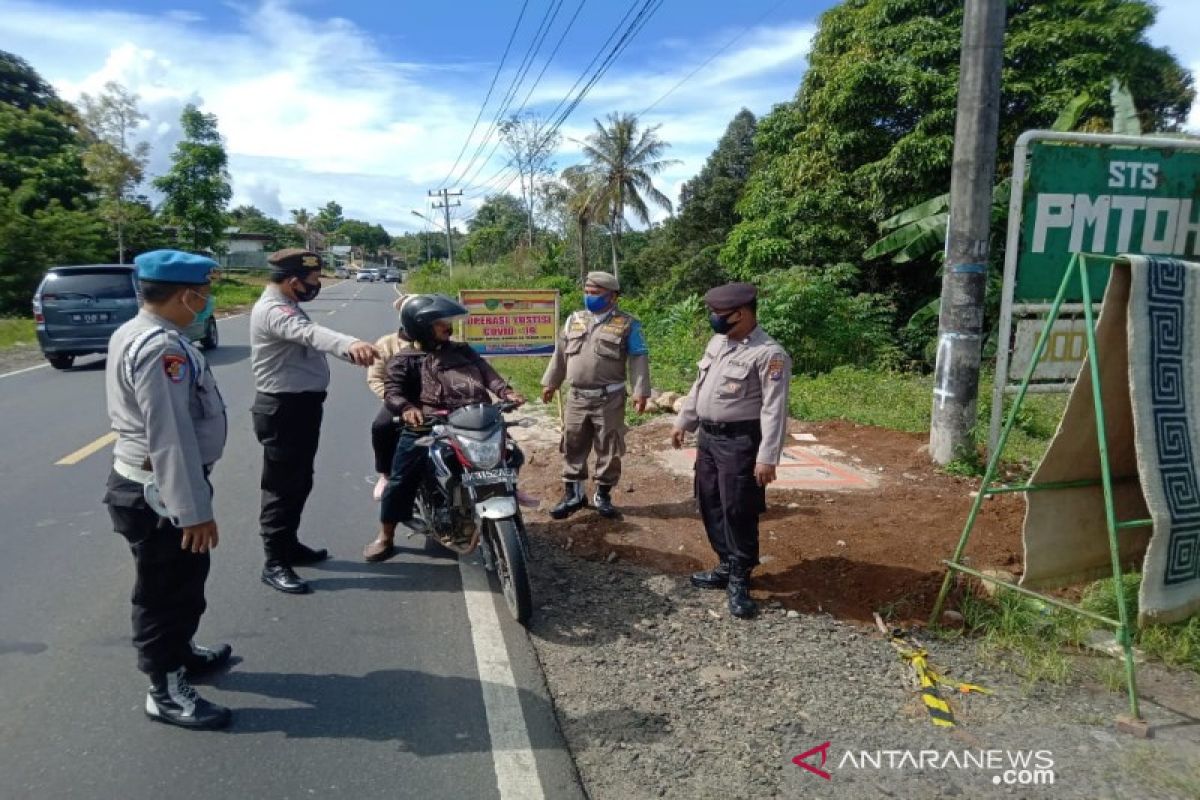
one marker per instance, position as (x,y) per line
(821,323)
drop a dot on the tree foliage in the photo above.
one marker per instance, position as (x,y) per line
(114,162)
(196,189)
(496,229)
(871,130)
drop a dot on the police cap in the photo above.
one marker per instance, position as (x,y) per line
(294,261)
(174,266)
(604,280)
(731,296)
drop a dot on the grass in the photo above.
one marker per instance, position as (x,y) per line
(232,293)
(16,331)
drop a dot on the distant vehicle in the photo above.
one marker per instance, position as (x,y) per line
(392,275)
(365,275)
(341,271)
(77,309)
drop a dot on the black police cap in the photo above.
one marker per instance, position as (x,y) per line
(730,296)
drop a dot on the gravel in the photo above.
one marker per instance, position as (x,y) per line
(660,693)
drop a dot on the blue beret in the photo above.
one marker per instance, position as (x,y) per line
(174,266)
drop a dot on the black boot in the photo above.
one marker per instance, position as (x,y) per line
(715,578)
(204,660)
(172,699)
(281,577)
(603,501)
(741,605)
(573,500)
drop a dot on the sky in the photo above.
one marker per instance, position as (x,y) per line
(372,103)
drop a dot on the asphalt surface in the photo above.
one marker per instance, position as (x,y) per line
(369,687)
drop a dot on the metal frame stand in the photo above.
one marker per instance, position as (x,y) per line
(1077,267)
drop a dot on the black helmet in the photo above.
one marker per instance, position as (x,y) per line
(419,313)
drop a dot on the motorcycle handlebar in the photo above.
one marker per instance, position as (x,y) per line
(505,407)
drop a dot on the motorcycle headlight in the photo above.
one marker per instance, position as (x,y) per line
(484,453)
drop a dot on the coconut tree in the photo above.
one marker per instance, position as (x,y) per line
(584,207)
(623,158)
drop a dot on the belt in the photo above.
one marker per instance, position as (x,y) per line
(751,426)
(603,391)
(138,475)
(132,473)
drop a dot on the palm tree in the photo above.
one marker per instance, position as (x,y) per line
(303,221)
(623,160)
(584,207)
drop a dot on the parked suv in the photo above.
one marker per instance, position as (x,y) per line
(77,309)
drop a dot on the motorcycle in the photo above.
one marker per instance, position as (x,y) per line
(467,498)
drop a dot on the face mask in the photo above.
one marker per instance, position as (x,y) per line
(719,323)
(596,303)
(205,312)
(308,292)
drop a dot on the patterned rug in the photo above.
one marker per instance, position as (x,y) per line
(1149,365)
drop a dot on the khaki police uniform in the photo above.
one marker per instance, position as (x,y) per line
(596,354)
(739,403)
(170,422)
(291,376)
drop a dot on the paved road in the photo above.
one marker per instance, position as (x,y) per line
(369,687)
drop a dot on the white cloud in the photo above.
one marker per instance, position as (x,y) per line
(342,119)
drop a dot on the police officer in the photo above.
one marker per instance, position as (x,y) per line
(740,404)
(290,378)
(170,423)
(437,375)
(596,348)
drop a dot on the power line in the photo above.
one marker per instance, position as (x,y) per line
(713,57)
(648,9)
(495,77)
(531,52)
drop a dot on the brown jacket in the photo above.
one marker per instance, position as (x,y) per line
(387,346)
(453,377)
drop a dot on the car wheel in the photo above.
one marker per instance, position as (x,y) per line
(211,339)
(61,361)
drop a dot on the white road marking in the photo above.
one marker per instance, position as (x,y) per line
(512,755)
(27,369)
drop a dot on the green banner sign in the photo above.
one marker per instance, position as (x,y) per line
(1104,199)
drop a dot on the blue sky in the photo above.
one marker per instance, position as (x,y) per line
(369,103)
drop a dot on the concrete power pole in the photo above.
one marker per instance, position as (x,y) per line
(964,279)
(445,205)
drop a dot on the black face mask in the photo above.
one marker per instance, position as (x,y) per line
(720,323)
(308,292)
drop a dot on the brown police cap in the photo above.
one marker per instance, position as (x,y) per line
(294,259)
(730,296)
(605,280)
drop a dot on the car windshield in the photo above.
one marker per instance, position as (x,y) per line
(94,285)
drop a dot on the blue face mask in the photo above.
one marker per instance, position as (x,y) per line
(203,314)
(596,303)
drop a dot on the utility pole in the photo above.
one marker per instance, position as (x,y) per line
(445,205)
(964,278)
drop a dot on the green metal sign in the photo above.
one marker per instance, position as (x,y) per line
(1104,199)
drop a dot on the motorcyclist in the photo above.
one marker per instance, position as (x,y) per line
(444,376)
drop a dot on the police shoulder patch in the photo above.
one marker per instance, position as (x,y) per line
(176,367)
(287,310)
(775,367)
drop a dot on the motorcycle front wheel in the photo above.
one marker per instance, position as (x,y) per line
(511,569)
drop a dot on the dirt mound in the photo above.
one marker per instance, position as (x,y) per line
(847,553)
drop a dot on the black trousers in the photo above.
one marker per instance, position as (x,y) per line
(289,428)
(407,470)
(168,590)
(730,499)
(385,434)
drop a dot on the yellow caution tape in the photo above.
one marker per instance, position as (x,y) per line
(929,679)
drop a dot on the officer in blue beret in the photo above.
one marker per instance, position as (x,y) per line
(170,423)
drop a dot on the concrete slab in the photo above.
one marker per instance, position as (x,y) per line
(800,468)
